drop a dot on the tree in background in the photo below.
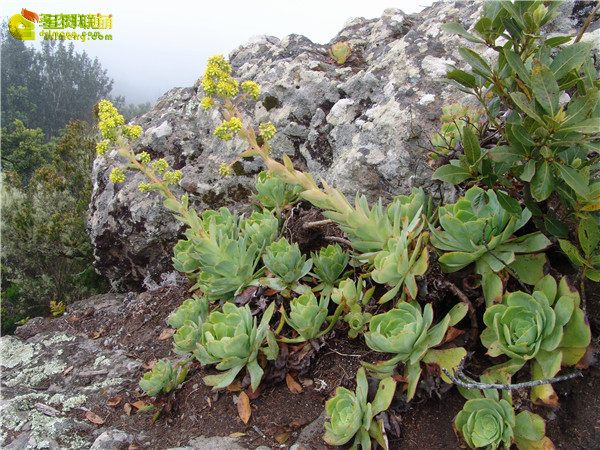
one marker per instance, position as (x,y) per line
(46,252)
(47,88)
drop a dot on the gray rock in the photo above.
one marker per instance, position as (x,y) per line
(111,439)
(362,126)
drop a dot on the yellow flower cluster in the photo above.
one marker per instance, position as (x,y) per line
(145,187)
(102,146)
(110,120)
(267,131)
(143,157)
(223,131)
(251,88)
(117,175)
(132,132)
(172,177)
(224,170)
(217,79)
(207,102)
(160,165)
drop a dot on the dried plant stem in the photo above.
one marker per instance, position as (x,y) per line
(463,298)
(587,23)
(317,224)
(460,379)
(338,239)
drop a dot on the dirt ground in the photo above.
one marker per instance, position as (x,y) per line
(278,414)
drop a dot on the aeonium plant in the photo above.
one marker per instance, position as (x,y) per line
(488,419)
(307,316)
(546,327)
(287,266)
(352,416)
(478,229)
(232,340)
(406,332)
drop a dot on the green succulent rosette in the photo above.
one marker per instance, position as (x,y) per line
(329,264)
(163,378)
(486,423)
(406,332)
(194,309)
(232,340)
(273,193)
(546,327)
(287,265)
(352,415)
(307,315)
(351,296)
(261,228)
(477,229)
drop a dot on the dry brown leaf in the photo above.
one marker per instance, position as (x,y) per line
(94,418)
(253,395)
(67,370)
(167,333)
(73,319)
(139,404)
(243,407)
(149,365)
(127,408)
(307,382)
(237,434)
(281,438)
(236,386)
(114,401)
(292,384)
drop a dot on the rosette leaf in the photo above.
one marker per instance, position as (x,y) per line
(404,259)
(261,228)
(163,378)
(307,315)
(486,422)
(547,327)
(273,193)
(287,265)
(329,264)
(477,226)
(194,309)
(351,295)
(352,415)
(232,340)
(406,332)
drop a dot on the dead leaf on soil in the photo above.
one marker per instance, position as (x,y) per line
(67,370)
(73,319)
(96,334)
(114,401)
(167,333)
(271,292)
(243,407)
(237,434)
(452,334)
(236,386)
(127,408)
(281,438)
(139,404)
(253,395)
(292,384)
(94,418)
(149,365)
(307,382)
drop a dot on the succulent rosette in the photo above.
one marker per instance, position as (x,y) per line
(406,332)
(329,264)
(163,378)
(231,339)
(194,309)
(352,415)
(486,422)
(287,265)
(307,315)
(546,327)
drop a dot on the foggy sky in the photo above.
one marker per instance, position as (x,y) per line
(159,45)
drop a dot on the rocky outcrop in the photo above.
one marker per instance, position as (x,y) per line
(362,126)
